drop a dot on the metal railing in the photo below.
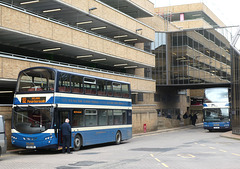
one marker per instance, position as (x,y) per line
(69,65)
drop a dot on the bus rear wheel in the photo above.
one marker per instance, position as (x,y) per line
(118,138)
(77,143)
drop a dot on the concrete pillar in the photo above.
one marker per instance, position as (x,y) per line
(139,72)
(139,45)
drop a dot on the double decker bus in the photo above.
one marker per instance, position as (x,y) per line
(216,109)
(99,109)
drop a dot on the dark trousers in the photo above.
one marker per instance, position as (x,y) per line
(193,122)
(66,143)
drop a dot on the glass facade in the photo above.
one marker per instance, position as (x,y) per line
(235,91)
(200,56)
(192,57)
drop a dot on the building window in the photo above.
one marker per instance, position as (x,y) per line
(178,98)
(140,96)
(156,97)
(133,96)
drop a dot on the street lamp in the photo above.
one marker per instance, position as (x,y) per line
(138,29)
(91,9)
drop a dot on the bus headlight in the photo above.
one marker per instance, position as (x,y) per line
(30,138)
(14,138)
(48,138)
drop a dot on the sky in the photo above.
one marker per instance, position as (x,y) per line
(226,10)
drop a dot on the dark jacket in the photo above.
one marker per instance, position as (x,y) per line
(66,129)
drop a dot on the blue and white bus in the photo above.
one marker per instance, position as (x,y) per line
(99,109)
(216,109)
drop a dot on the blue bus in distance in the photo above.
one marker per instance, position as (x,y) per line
(216,109)
(99,109)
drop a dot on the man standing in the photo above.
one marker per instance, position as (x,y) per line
(194,118)
(66,133)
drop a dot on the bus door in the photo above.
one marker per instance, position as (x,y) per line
(62,115)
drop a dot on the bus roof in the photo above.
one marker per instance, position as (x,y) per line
(73,73)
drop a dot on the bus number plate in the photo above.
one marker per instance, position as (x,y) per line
(30,147)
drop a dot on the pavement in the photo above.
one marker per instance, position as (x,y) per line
(230,135)
(227,134)
(168,130)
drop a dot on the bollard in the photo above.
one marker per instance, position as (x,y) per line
(144,128)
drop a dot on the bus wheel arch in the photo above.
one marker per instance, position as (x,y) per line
(77,143)
(118,137)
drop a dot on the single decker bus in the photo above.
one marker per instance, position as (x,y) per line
(99,109)
(216,109)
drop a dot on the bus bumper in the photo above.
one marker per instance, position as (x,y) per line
(34,142)
(217,126)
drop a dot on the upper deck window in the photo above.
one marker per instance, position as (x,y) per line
(101,87)
(117,89)
(125,90)
(109,88)
(89,85)
(77,84)
(39,79)
(216,95)
(64,82)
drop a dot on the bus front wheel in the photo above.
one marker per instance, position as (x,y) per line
(118,138)
(77,143)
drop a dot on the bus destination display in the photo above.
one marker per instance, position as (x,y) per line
(33,99)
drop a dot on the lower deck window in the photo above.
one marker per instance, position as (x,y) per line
(91,118)
(78,118)
(102,118)
(117,116)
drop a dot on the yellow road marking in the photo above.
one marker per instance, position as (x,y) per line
(223,151)
(236,154)
(191,155)
(164,165)
(195,143)
(202,145)
(157,159)
(186,155)
(212,147)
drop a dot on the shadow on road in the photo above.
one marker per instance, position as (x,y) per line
(53,152)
